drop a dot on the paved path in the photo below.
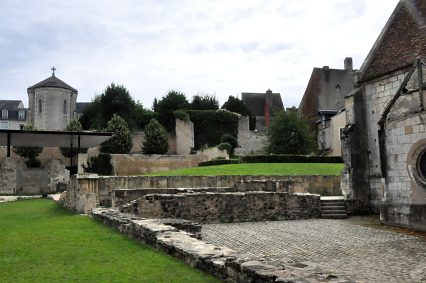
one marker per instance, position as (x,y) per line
(340,247)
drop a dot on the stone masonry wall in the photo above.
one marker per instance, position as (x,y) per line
(327,185)
(250,142)
(227,207)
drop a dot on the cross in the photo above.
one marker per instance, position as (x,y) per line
(53,71)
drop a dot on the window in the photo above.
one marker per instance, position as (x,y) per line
(4,125)
(21,114)
(65,107)
(4,114)
(421,165)
(40,106)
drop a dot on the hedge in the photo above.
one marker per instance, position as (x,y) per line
(219,162)
(211,125)
(288,158)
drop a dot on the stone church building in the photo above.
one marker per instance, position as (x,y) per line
(384,141)
(52,104)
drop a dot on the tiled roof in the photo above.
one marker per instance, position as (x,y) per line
(401,41)
(255,102)
(52,81)
(9,104)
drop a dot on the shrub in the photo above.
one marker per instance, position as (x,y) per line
(29,152)
(227,138)
(225,146)
(100,165)
(287,158)
(121,141)
(211,125)
(219,162)
(155,139)
(181,114)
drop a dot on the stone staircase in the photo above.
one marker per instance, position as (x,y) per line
(333,207)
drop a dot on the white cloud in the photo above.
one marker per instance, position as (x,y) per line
(221,47)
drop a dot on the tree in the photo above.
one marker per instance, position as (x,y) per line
(289,133)
(155,139)
(231,140)
(205,102)
(29,152)
(73,126)
(115,99)
(166,106)
(121,141)
(236,105)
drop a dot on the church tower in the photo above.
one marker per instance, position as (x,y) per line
(52,104)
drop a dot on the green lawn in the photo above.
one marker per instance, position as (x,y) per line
(258,169)
(42,242)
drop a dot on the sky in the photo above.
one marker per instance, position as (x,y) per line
(216,47)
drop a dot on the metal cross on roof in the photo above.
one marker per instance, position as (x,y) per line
(53,71)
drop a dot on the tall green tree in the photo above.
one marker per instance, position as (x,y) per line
(166,106)
(289,133)
(29,152)
(204,102)
(121,141)
(156,141)
(115,99)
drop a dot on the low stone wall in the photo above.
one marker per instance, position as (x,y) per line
(137,164)
(324,185)
(227,207)
(221,262)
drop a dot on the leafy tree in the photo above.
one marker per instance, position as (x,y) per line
(205,102)
(73,126)
(231,140)
(121,141)
(166,107)
(289,133)
(236,105)
(115,99)
(29,152)
(155,139)
(100,164)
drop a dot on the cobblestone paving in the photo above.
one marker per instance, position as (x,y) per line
(338,247)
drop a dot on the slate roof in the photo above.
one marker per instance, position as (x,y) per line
(255,102)
(12,108)
(401,41)
(9,104)
(52,81)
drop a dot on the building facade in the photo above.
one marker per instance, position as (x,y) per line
(385,136)
(13,115)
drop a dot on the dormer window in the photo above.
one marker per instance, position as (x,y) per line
(4,114)
(40,106)
(65,107)
(21,114)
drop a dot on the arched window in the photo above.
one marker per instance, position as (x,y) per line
(40,106)
(65,107)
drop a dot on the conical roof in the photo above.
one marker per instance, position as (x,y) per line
(52,81)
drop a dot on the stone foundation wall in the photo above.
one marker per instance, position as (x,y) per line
(324,185)
(227,207)
(221,262)
(250,142)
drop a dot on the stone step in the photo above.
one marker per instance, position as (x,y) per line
(342,211)
(331,206)
(334,216)
(333,201)
(334,207)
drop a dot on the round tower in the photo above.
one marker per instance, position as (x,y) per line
(52,104)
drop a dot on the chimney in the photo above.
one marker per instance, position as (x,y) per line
(348,64)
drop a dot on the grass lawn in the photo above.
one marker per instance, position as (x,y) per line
(258,169)
(42,242)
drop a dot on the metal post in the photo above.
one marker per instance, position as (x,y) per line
(8,144)
(71,150)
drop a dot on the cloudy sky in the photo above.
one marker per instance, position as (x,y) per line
(220,47)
